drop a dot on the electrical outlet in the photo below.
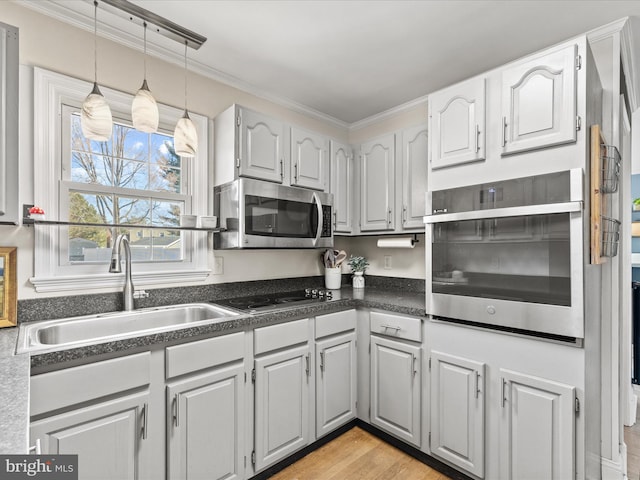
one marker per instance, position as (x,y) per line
(218,265)
(495,264)
(387,262)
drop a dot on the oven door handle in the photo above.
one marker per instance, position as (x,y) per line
(316,200)
(524,211)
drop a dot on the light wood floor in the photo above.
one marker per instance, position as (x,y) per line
(632,439)
(358,455)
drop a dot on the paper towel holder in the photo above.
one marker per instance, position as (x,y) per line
(413,241)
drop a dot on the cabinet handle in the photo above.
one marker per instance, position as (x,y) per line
(504,131)
(404,215)
(176,410)
(37,448)
(281,168)
(295,171)
(397,329)
(335,219)
(308,364)
(477,138)
(502,399)
(322,361)
(413,366)
(477,384)
(145,415)
(389,217)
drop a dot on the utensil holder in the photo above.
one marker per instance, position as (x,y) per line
(333,278)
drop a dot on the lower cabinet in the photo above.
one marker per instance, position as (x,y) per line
(108,437)
(335,382)
(205,427)
(282,376)
(457,411)
(537,428)
(395,388)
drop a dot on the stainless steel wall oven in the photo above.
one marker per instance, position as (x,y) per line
(509,254)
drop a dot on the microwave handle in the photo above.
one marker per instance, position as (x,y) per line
(565,207)
(316,200)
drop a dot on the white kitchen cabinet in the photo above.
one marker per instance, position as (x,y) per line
(282,379)
(395,388)
(108,437)
(537,428)
(377,179)
(9,210)
(309,160)
(342,187)
(205,408)
(457,411)
(205,427)
(457,116)
(415,148)
(248,144)
(335,382)
(539,101)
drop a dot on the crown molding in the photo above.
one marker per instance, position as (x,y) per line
(379,117)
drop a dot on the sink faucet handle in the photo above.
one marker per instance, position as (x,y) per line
(140,294)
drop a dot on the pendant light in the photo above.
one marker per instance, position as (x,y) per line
(185,136)
(96,120)
(144,109)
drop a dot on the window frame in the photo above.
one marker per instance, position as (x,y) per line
(52,93)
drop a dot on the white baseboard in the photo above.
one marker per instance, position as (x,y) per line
(613,470)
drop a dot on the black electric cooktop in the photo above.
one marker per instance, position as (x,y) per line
(277,300)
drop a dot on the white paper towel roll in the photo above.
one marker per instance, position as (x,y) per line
(404,242)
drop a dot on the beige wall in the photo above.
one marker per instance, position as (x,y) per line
(54,45)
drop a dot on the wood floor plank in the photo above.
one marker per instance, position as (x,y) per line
(358,455)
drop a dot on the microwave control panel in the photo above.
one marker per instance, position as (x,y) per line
(326,221)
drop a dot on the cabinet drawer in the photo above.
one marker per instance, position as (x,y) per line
(409,328)
(283,335)
(71,386)
(333,323)
(193,356)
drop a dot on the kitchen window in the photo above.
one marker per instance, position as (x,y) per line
(134,178)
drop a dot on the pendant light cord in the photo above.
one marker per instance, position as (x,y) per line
(185,75)
(144,62)
(95,41)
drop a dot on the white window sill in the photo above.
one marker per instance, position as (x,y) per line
(109,280)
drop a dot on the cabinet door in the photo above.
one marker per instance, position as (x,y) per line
(108,438)
(308,159)
(335,382)
(539,101)
(205,426)
(341,186)
(281,404)
(9,209)
(260,147)
(377,180)
(458,124)
(414,176)
(537,428)
(395,388)
(457,411)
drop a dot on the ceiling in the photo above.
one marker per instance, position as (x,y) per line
(349,60)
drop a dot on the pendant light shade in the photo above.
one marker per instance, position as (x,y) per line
(144,109)
(95,119)
(185,136)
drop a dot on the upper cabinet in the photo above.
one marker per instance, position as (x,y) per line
(251,144)
(415,148)
(248,144)
(457,116)
(342,187)
(539,101)
(308,159)
(529,117)
(377,192)
(9,210)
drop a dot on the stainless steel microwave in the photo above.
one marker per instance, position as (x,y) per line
(509,254)
(259,214)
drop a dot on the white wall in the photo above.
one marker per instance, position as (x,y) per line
(56,46)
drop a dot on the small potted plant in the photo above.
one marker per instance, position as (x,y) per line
(358,267)
(636,205)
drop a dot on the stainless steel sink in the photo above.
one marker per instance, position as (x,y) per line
(89,329)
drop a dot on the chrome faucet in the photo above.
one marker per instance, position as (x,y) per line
(115,267)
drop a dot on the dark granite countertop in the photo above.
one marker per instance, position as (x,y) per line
(15,369)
